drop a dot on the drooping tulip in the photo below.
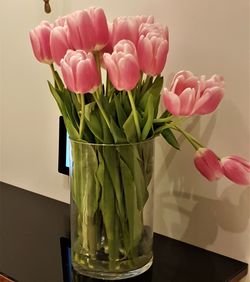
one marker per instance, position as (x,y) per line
(189,95)
(59,43)
(40,41)
(79,71)
(208,164)
(122,65)
(152,48)
(236,169)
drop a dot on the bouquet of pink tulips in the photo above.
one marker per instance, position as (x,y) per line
(111,88)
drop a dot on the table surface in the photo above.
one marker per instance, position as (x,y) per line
(32,248)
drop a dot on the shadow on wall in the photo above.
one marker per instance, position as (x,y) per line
(194,218)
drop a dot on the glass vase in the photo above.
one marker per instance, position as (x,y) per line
(111,208)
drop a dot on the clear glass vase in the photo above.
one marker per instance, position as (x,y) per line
(111,208)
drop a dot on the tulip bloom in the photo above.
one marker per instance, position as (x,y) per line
(189,95)
(59,43)
(152,54)
(236,169)
(79,71)
(209,95)
(208,164)
(40,41)
(122,65)
(124,28)
(88,29)
(99,20)
(81,32)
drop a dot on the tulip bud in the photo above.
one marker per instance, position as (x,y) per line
(236,169)
(79,71)
(40,41)
(208,164)
(122,65)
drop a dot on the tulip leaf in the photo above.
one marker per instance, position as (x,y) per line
(92,119)
(117,132)
(149,116)
(131,156)
(133,214)
(125,103)
(107,205)
(73,133)
(129,129)
(155,89)
(121,115)
(170,138)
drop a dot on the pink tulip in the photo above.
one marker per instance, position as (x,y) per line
(154,28)
(124,28)
(88,29)
(59,43)
(189,95)
(81,32)
(152,48)
(208,164)
(209,95)
(122,65)
(144,19)
(61,21)
(40,42)
(236,169)
(99,20)
(79,71)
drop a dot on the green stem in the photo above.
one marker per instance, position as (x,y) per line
(81,130)
(168,125)
(136,119)
(161,120)
(195,143)
(102,110)
(98,65)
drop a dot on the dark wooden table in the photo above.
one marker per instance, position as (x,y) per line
(31,248)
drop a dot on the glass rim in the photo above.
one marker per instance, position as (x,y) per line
(148,140)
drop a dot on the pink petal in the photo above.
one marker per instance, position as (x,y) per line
(187,100)
(68,76)
(171,102)
(160,57)
(86,31)
(59,44)
(111,66)
(209,101)
(145,55)
(236,169)
(35,45)
(129,72)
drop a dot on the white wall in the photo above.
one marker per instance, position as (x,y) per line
(205,37)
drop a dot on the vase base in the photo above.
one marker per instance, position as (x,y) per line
(113,275)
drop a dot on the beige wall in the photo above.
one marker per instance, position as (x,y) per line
(205,37)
